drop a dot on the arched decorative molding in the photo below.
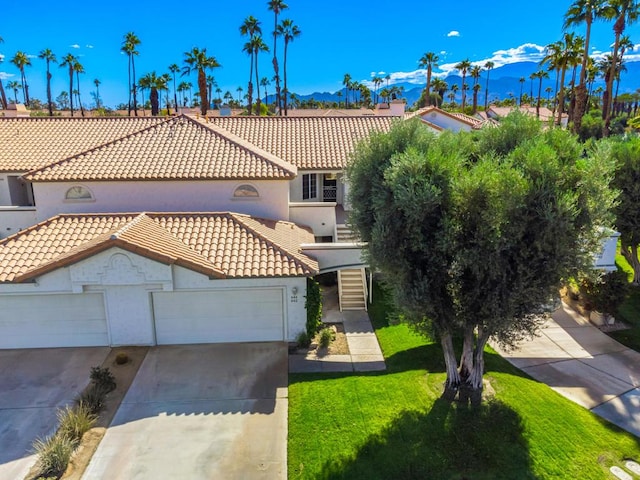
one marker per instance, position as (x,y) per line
(246,190)
(79,193)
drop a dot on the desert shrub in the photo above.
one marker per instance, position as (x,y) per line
(605,293)
(303,340)
(93,398)
(313,304)
(53,454)
(74,422)
(122,358)
(103,378)
(327,335)
(591,126)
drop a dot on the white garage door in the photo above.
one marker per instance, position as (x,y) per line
(34,321)
(252,315)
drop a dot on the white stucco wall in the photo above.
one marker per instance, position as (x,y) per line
(320,216)
(14,219)
(168,196)
(295,186)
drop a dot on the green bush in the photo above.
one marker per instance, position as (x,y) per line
(313,304)
(53,454)
(93,398)
(103,378)
(74,422)
(327,335)
(303,340)
(606,293)
(591,126)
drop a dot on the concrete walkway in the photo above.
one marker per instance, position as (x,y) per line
(364,350)
(584,365)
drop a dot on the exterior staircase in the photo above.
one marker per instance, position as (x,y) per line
(352,283)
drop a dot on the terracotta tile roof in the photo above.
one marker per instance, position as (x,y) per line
(471,121)
(221,245)
(310,143)
(177,148)
(30,143)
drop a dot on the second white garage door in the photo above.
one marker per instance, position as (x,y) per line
(252,315)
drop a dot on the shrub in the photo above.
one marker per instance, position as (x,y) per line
(303,340)
(54,454)
(103,378)
(74,422)
(93,398)
(313,304)
(327,335)
(122,358)
(607,292)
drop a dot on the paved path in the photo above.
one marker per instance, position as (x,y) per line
(585,365)
(201,411)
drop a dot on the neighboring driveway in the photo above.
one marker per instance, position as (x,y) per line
(201,411)
(585,365)
(34,383)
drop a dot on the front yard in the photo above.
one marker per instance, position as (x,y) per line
(392,424)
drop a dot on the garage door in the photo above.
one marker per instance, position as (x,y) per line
(253,315)
(34,321)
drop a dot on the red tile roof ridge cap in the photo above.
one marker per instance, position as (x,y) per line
(122,230)
(298,256)
(29,174)
(245,145)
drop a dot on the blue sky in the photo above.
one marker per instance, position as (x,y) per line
(338,37)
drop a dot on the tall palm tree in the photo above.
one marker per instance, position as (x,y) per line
(346,81)
(540,74)
(15,86)
(462,67)
(452,95)
(579,12)
(78,69)
(560,54)
(197,59)
(522,80)
(258,45)
(173,68)
(625,12)
(553,60)
(428,61)
(264,82)
(153,83)
(440,86)
(476,70)
(489,66)
(289,31)
(3,96)
(211,81)
(182,88)
(276,6)
(249,28)
(625,44)
(69,61)
(48,56)
(21,60)
(239,90)
(97,83)
(129,44)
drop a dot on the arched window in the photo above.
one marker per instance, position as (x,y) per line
(78,192)
(245,191)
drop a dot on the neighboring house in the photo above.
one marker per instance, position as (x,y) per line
(440,120)
(544,114)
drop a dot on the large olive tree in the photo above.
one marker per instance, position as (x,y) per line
(473,232)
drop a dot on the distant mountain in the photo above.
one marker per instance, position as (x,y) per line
(503,82)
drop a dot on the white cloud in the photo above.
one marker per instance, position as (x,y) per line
(382,73)
(453,33)
(373,74)
(75,45)
(31,56)
(1,57)
(443,52)
(5,75)
(89,45)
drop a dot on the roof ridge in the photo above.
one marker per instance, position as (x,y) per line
(277,246)
(98,147)
(128,226)
(245,145)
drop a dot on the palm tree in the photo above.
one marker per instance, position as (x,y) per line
(559,55)
(625,12)
(78,69)
(489,66)
(3,96)
(540,74)
(173,68)
(154,83)
(463,66)
(346,81)
(49,57)
(428,61)
(129,44)
(182,88)
(15,86)
(239,90)
(258,45)
(97,83)
(625,44)
(210,83)
(522,80)
(452,95)
(196,59)
(476,70)
(264,82)
(249,28)
(69,61)
(289,31)
(228,97)
(276,6)
(21,60)
(553,59)
(583,11)
(548,90)
(440,86)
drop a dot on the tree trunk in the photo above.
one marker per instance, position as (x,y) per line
(582,98)
(258,100)
(134,87)
(153,98)
(429,85)
(486,92)
(630,253)
(250,87)
(452,384)
(286,91)
(71,88)
(561,97)
(474,382)
(202,86)
(50,106)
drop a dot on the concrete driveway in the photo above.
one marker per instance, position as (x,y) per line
(585,365)
(201,411)
(34,383)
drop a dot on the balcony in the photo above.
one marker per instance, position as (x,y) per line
(320,216)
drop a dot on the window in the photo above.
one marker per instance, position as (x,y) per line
(309,186)
(246,191)
(78,192)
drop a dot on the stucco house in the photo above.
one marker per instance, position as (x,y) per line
(143,231)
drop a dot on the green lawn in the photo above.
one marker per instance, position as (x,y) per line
(629,311)
(392,424)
